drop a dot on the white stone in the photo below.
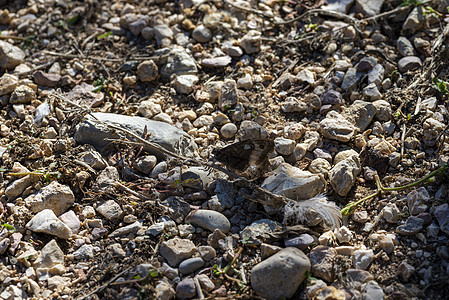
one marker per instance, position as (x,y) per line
(361,259)
(54,196)
(47,222)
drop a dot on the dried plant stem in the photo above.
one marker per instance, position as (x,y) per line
(351,207)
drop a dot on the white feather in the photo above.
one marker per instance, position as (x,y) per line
(302,210)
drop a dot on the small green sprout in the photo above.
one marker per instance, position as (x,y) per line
(440,86)
(104,35)
(10,228)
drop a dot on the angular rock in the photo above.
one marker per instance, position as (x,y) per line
(350,80)
(369,7)
(294,183)
(93,132)
(184,84)
(46,79)
(22,95)
(50,256)
(10,56)
(405,47)
(216,62)
(259,231)
(8,83)
(229,95)
(341,6)
(361,259)
(344,174)
(417,200)
(280,275)
(106,179)
(47,222)
(322,259)
(71,220)
(54,196)
(442,215)
(147,71)
(415,20)
(131,228)
(185,289)
(336,127)
(176,250)
(110,209)
(251,41)
(412,226)
(179,62)
(360,114)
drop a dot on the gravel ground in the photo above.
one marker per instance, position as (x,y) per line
(224,149)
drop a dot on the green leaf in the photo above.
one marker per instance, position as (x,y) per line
(72,20)
(10,228)
(154,273)
(104,35)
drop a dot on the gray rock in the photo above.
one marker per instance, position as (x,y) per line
(110,209)
(306,76)
(216,62)
(341,6)
(406,270)
(169,272)
(46,79)
(372,291)
(4,244)
(202,34)
(164,291)
(22,95)
(332,97)
(284,146)
(302,242)
(251,130)
(176,250)
(415,20)
(371,92)
(228,130)
(376,75)
(441,213)
(91,131)
(205,282)
(50,256)
(245,82)
(47,222)
(179,62)
(178,209)
(405,47)
(93,159)
(148,33)
(54,196)
(234,51)
(408,63)
(137,26)
(320,153)
(259,231)
(294,183)
(185,289)
(197,177)
(391,213)
(10,56)
(106,179)
(350,80)
(344,174)
(8,83)
(320,166)
(369,7)
(207,253)
(361,259)
(412,226)
(71,220)
(360,114)
(280,275)
(229,95)
(292,104)
(190,265)
(322,259)
(366,64)
(131,228)
(359,276)
(85,252)
(147,71)
(251,41)
(417,199)
(383,110)
(184,84)
(336,127)
(209,219)
(145,164)
(159,169)
(162,32)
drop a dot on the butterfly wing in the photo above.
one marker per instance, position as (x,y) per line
(247,156)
